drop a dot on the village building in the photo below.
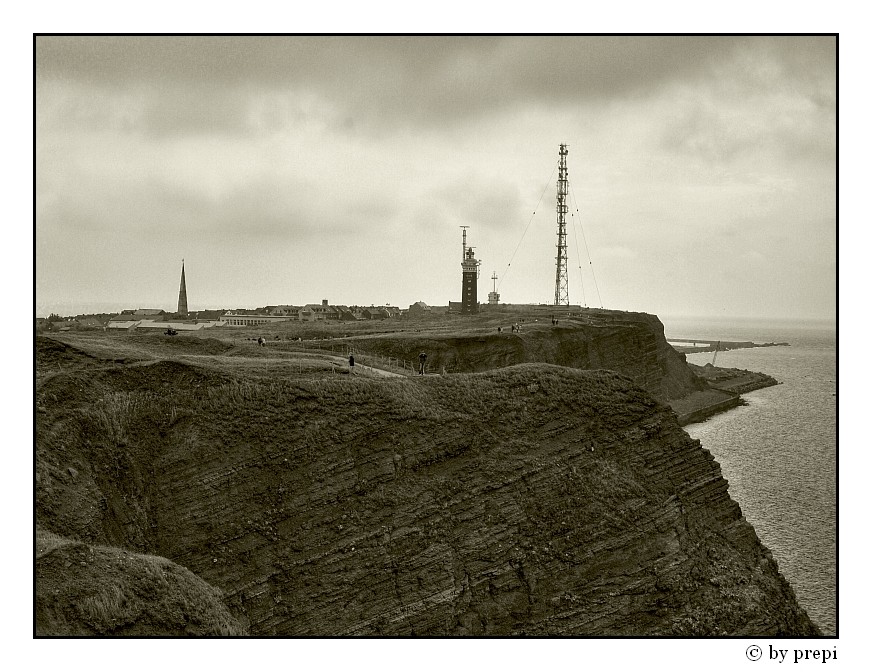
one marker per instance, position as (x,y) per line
(373,313)
(161,325)
(236,319)
(419,309)
(345,314)
(313,312)
(290,311)
(122,322)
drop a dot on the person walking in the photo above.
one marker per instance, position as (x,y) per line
(422,358)
(351,363)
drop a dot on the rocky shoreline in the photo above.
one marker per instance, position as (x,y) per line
(725,387)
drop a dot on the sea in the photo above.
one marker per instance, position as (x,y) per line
(779,452)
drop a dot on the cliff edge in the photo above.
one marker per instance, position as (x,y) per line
(534,499)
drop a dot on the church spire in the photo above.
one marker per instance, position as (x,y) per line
(183,294)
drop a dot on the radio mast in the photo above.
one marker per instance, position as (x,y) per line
(561,282)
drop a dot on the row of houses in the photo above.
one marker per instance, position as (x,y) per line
(313,312)
(153,318)
(318,312)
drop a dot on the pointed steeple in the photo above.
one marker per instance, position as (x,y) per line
(183,294)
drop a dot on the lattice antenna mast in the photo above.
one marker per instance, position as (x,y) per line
(463,256)
(561,282)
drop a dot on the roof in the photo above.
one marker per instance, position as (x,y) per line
(178,326)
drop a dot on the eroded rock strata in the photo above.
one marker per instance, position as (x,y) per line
(534,499)
(630,343)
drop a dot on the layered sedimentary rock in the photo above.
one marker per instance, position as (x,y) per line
(630,343)
(529,500)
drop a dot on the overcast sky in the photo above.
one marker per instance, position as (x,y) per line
(291,170)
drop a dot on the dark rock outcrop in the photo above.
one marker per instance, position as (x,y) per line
(533,499)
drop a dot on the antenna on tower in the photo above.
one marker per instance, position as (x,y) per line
(464,242)
(561,281)
(493,297)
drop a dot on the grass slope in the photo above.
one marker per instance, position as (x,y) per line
(82,589)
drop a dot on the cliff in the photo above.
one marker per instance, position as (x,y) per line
(630,343)
(534,499)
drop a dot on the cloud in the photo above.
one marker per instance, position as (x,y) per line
(774,98)
(376,81)
(488,203)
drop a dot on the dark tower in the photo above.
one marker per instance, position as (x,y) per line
(183,294)
(469,298)
(561,282)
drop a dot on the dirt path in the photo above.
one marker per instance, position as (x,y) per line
(357,366)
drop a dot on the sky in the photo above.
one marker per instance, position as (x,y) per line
(288,170)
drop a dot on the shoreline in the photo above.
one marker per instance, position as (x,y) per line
(724,393)
(687,346)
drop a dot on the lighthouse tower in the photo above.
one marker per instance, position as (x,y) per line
(183,294)
(469,298)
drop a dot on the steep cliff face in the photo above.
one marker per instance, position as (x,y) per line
(530,500)
(630,343)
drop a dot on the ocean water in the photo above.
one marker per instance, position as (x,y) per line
(779,452)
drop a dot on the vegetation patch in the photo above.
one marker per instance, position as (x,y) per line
(96,590)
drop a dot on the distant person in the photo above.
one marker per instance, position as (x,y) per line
(261,341)
(422,358)
(351,363)
(499,330)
